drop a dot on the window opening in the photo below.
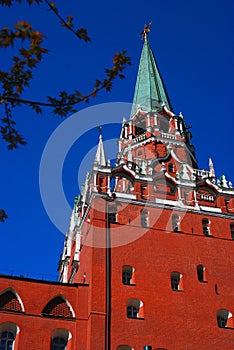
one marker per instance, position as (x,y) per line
(232,230)
(59,339)
(7,340)
(201,273)
(59,343)
(171,168)
(206,226)
(132,311)
(176,281)
(224,318)
(145,218)
(134,308)
(176,222)
(127,274)
(144,192)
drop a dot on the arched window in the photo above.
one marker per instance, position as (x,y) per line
(59,343)
(224,318)
(7,340)
(132,311)
(59,339)
(10,301)
(201,273)
(206,226)
(8,332)
(145,218)
(127,274)
(134,308)
(176,281)
(232,230)
(58,307)
(124,347)
(176,222)
(147,347)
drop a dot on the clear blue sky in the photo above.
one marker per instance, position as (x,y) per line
(193,45)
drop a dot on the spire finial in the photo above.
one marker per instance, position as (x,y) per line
(100,131)
(145,31)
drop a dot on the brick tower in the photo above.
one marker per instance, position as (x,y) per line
(157,247)
(148,258)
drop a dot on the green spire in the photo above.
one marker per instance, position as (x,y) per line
(150,91)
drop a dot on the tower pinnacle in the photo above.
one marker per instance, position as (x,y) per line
(100,158)
(150,92)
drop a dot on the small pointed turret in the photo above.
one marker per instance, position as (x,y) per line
(211,166)
(150,92)
(100,158)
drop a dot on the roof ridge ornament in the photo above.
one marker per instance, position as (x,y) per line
(146,31)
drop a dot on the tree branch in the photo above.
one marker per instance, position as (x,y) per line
(80,33)
(3,215)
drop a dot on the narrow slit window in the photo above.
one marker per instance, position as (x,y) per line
(144,218)
(127,274)
(144,191)
(176,222)
(176,281)
(201,273)
(232,230)
(206,226)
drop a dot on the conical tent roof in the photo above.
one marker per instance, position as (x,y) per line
(150,91)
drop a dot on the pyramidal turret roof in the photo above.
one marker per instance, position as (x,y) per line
(100,158)
(150,92)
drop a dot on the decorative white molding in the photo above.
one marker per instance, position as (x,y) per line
(211,209)
(167,201)
(125,195)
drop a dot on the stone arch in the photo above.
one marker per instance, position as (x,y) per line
(58,307)
(11,301)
